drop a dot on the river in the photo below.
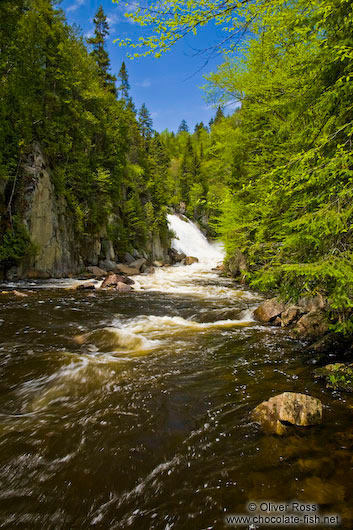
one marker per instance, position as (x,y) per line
(132,411)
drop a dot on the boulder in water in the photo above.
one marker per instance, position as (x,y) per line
(112,281)
(158,263)
(269,310)
(175,256)
(123,287)
(288,409)
(189,260)
(87,286)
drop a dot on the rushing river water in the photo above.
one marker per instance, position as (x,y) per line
(131,411)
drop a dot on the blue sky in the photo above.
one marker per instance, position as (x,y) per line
(169,86)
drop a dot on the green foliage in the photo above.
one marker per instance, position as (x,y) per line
(15,245)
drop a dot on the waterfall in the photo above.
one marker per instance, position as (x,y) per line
(190,240)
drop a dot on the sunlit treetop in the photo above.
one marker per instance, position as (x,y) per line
(167,22)
(171,20)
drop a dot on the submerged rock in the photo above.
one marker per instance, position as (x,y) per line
(338,376)
(20,294)
(280,412)
(189,260)
(269,310)
(89,286)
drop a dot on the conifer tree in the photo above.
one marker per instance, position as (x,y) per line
(219,115)
(145,122)
(124,86)
(99,52)
(183,127)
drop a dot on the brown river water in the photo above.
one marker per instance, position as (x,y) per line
(132,411)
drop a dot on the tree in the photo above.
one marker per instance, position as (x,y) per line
(123,78)
(145,122)
(183,127)
(99,52)
(219,115)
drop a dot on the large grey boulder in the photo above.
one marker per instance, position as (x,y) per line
(290,408)
(138,264)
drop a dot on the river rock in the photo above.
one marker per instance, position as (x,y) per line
(89,286)
(138,264)
(125,269)
(291,315)
(288,408)
(123,287)
(128,258)
(175,256)
(269,310)
(112,280)
(107,265)
(313,324)
(189,260)
(337,376)
(158,263)
(312,303)
(97,272)
(20,294)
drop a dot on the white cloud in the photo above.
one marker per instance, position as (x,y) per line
(146,83)
(75,5)
(113,20)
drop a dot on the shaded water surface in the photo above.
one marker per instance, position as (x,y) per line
(132,410)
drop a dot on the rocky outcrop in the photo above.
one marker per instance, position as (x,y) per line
(61,250)
(49,222)
(279,413)
(307,317)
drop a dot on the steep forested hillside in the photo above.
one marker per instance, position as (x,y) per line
(58,96)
